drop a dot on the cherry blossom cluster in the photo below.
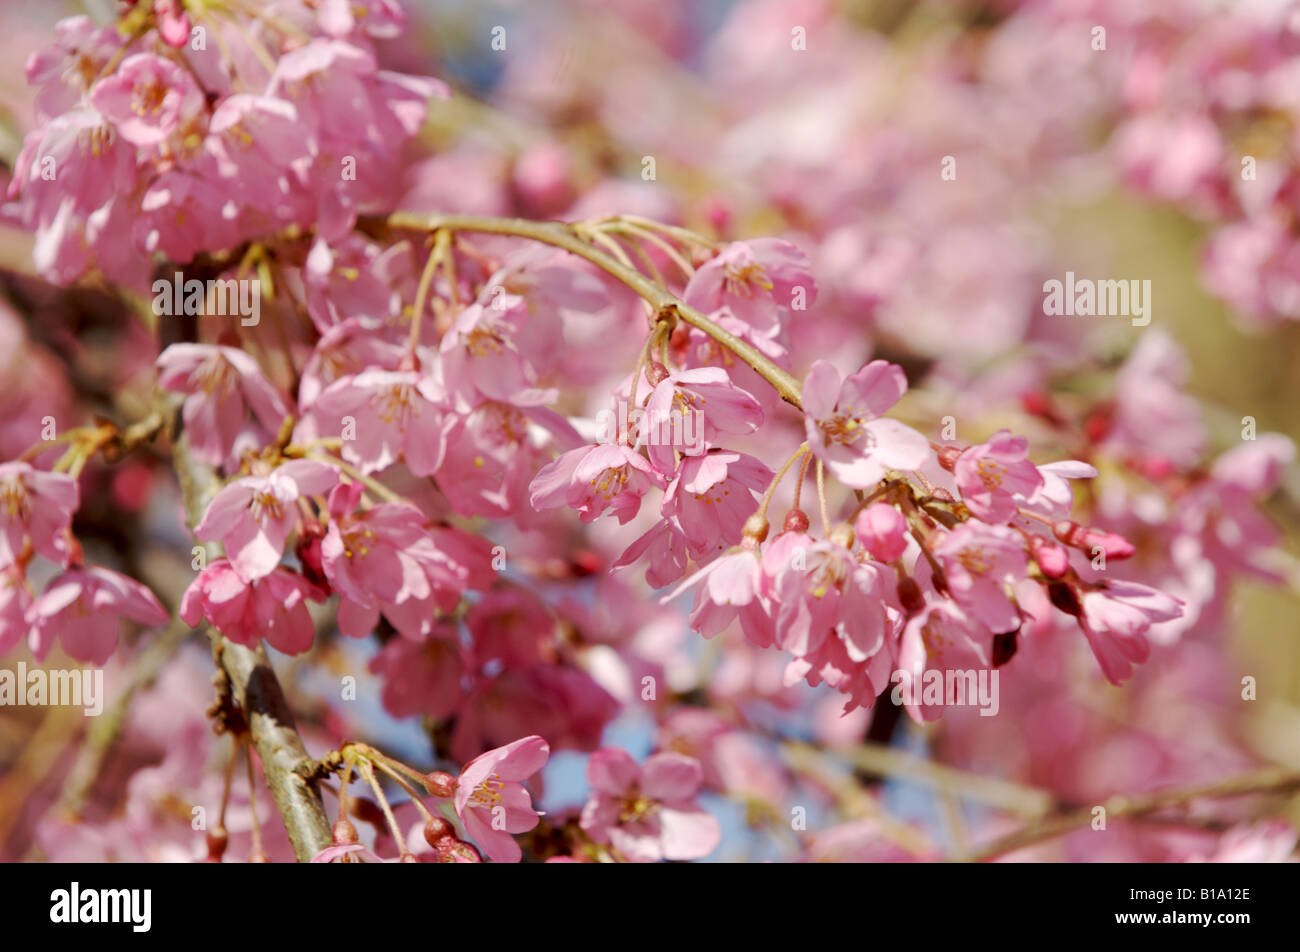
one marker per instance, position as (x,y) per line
(191,137)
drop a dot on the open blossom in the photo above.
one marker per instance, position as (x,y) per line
(388,559)
(725,588)
(273,607)
(941,637)
(991,475)
(1116,618)
(980,562)
(384,416)
(491,799)
(82,608)
(36,506)
(712,496)
(230,404)
(703,402)
(592,479)
(253,516)
(148,98)
(845,427)
(648,812)
(762,282)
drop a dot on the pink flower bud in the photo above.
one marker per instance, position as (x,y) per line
(882,530)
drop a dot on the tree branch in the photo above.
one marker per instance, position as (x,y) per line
(561,235)
(1266,780)
(258,693)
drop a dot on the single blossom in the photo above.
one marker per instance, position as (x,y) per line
(253,516)
(980,562)
(82,608)
(1116,617)
(491,799)
(384,416)
(990,476)
(273,607)
(36,506)
(648,813)
(846,430)
(592,479)
(230,405)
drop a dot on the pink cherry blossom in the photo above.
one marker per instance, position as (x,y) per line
(991,475)
(980,563)
(35,506)
(384,416)
(845,427)
(491,799)
(882,530)
(230,405)
(647,812)
(272,607)
(82,607)
(253,516)
(1116,617)
(593,479)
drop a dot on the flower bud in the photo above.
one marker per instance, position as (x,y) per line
(436,830)
(796,520)
(882,530)
(948,456)
(1115,546)
(1053,559)
(345,834)
(439,783)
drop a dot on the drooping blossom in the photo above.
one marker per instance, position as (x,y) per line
(82,609)
(491,799)
(272,607)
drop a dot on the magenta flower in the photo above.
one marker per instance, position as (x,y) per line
(37,506)
(491,800)
(82,607)
(845,428)
(592,479)
(273,607)
(253,516)
(991,475)
(648,812)
(230,406)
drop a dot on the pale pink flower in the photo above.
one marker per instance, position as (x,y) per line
(15,599)
(1116,617)
(253,516)
(82,607)
(592,479)
(711,496)
(941,637)
(148,98)
(648,813)
(384,416)
(273,607)
(980,562)
(692,408)
(38,506)
(231,406)
(491,799)
(726,587)
(845,427)
(991,475)
(762,281)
